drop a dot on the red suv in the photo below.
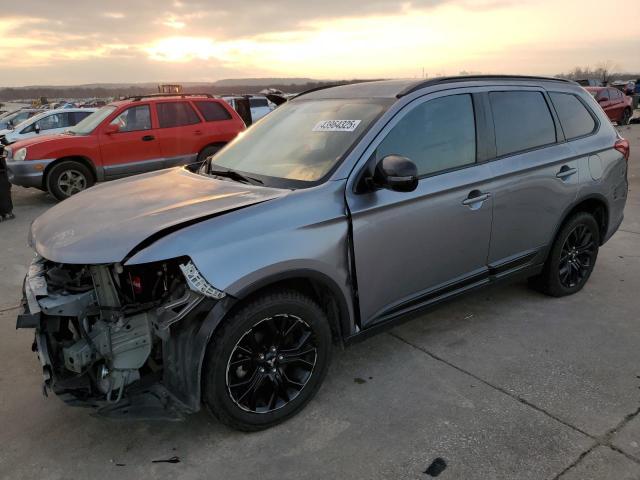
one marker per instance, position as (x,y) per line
(124,138)
(617,105)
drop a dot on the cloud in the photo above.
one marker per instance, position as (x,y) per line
(146,40)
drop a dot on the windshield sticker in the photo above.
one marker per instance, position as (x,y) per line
(336,126)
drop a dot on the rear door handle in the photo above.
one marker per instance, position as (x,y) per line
(475,196)
(148,138)
(198,132)
(566,172)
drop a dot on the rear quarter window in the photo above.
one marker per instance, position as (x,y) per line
(176,114)
(575,119)
(212,111)
(522,121)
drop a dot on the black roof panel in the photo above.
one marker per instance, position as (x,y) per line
(399,88)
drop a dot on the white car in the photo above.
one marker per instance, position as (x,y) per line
(48,122)
(9,119)
(259,105)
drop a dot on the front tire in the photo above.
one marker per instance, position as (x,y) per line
(208,152)
(267,361)
(572,257)
(68,178)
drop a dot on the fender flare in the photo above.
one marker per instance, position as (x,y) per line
(567,211)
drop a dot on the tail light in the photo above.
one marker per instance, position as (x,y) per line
(622,145)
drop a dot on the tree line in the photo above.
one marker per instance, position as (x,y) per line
(118,91)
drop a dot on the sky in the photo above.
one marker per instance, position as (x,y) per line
(67,42)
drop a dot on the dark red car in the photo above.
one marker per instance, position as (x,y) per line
(617,105)
(124,138)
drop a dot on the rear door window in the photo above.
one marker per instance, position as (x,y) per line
(212,111)
(77,116)
(615,94)
(574,117)
(522,121)
(437,135)
(57,120)
(603,95)
(133,119)
(176,114)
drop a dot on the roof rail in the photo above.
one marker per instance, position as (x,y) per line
(311,90)
(466,78)
(137,98)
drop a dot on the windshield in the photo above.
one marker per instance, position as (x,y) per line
(33,119)
(6,114)
(88,124)
(15,117)
(301,141)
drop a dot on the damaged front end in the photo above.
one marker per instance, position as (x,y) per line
(118,338)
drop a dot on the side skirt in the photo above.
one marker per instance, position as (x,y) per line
(522,267)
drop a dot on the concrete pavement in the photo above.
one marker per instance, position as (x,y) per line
(502,384)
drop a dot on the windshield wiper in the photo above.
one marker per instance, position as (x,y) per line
(232,174)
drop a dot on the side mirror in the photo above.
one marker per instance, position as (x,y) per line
(396,173)
(112,128)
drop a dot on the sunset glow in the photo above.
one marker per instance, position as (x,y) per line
(205,41)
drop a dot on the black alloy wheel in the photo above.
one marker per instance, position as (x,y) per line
(577,256)
(271,363)
(571,258)
(267,360)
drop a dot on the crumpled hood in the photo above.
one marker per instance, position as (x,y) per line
(106,222)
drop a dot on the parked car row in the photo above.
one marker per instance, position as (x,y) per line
(15,117)
(124,138)
(47,122)
(617,105)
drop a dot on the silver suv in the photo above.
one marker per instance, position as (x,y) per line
(341,213)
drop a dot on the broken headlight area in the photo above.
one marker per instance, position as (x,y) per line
(105,333)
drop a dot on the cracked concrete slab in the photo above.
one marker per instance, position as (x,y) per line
(569,356)
(404,410)
(627,438)
(575,358)
(603,463)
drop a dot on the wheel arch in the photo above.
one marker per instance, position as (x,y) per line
(193,339)
(318,286)
(594,204)
(74,158)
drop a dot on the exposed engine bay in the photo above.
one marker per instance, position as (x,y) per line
(104,332)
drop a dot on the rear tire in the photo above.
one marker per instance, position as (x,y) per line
(68,178)
(626,117)
(572,257)
(267,360)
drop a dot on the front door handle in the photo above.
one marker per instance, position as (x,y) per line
(475,197)
(566,172)
(198,132)
(148,138)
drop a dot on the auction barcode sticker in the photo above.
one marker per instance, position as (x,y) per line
(336,126)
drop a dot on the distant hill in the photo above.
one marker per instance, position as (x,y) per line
(111,90)
(257,82)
